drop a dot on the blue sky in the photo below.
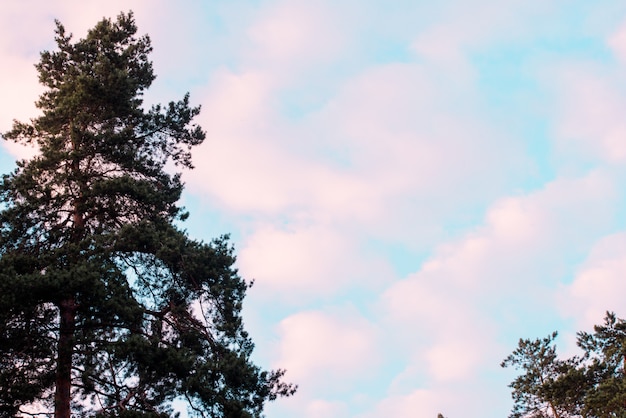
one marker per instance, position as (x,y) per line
(413,185)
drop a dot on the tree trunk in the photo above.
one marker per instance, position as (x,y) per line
(67,324)
(67,310)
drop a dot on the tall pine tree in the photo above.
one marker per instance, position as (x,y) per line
(106,307)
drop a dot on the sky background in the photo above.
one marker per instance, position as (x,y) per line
(413,185)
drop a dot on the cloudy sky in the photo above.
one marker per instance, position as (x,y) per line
(414,185)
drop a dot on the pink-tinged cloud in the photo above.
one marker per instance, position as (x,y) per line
(454,359)
(305,405)
(417,143)
(441,333)
(448,42)
(287,36)
(19,82)
(590,103)
(599,284)
(470,398)
(252,160)
(452,305)
(392,152)
(328,350)
(444,46)
(20,92)
(426,403)
(239,172)
(529,232)
(593,116)
(24,33)
(325,409)
(308,261)
(617,43)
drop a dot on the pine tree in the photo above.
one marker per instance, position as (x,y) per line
(605,368)
(534,391)
(106,307)
(592,385)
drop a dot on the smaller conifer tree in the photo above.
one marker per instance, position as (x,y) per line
(592,385)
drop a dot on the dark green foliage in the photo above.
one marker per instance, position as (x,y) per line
(106,307)
(590,386)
